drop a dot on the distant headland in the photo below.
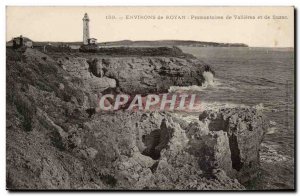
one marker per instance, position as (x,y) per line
(172,43)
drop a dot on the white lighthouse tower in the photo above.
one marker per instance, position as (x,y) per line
(86,30)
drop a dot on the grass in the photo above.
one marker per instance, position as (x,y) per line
(24,108)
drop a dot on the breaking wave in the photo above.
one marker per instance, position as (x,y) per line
(211,86)
(209,79)
(209,82)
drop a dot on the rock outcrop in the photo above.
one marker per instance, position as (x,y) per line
(144,75)
(78,67)
(135,75)
(52,143)
(244,129)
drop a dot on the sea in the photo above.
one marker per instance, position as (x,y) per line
(256,77)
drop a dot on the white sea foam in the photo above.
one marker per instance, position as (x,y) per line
(259,106)
(173,89)
(220,105)
(209,79)
(272,127)
(269,154)
(209,82)
(273,123)
(271,130)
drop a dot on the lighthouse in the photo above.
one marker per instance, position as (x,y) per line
(86,30)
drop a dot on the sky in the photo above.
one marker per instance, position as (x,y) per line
(64,24)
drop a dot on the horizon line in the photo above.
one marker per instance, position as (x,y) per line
(249,46)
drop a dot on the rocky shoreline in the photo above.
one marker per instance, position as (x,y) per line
(53,143)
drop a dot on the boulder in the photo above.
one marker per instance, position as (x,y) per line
(245,128)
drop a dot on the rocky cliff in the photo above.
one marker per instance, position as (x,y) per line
(135,75)
(52,143)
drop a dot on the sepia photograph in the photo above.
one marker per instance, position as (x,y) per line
(161,98)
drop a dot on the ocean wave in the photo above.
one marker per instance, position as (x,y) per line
(209,79)
(259,106)
(271,130)
(256,83)
(269,154)
(174,89)
(211,83)
(258,87)
(221,105)
(272,127)
(273,123)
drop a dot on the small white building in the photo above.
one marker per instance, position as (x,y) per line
(28,44)
(22,41)
(92,41)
